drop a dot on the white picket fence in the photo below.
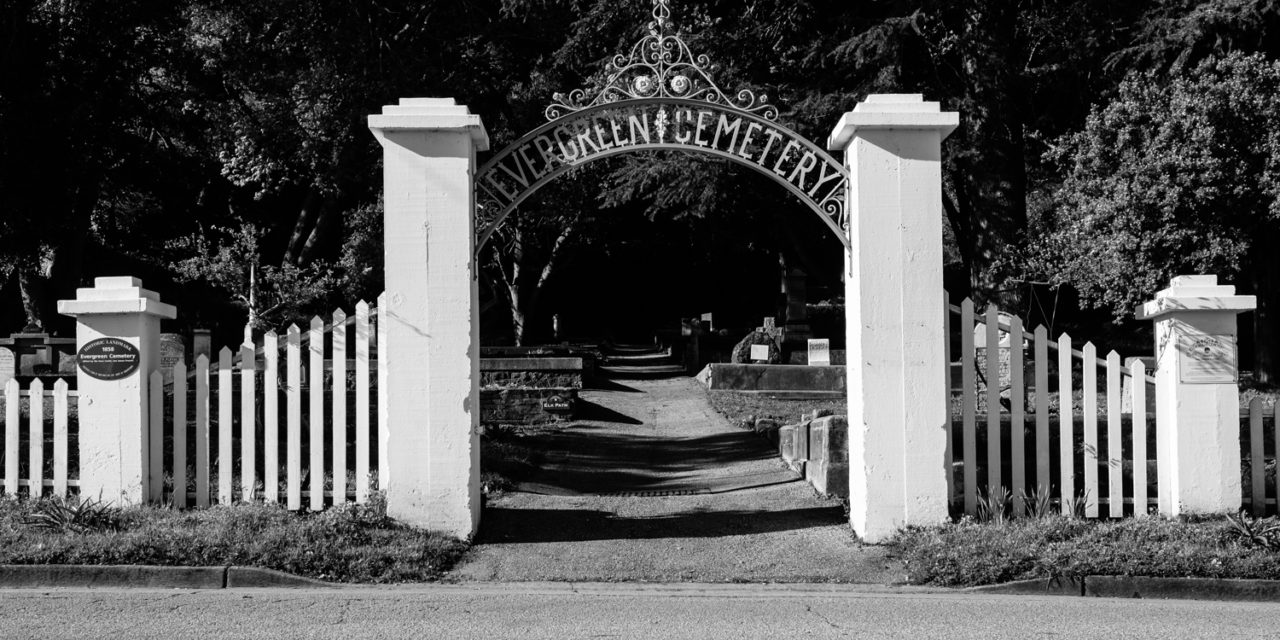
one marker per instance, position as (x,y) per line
(41,440)
(238,400)
(1074,432)
(1042,446)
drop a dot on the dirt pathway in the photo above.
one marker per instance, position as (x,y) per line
(653,485)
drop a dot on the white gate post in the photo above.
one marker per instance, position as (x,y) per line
(113,412)
(893,307)
(1197,394)
(432,339)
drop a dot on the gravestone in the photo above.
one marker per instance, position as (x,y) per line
(201,344)
(819,352)
(172,351)
(743,353)
(8,366)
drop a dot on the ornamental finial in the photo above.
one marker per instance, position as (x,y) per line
(660,65)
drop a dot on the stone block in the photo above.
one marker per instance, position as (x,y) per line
(793,442)
(828,468)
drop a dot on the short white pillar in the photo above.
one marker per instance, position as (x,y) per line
(118,346)
(1197,397)
(432,354)
(893,307)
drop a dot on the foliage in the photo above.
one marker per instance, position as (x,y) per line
(968,553)
(1174,176)
(73,515)
(347,543)
(1263,533)
(235,266)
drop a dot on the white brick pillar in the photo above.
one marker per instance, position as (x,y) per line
(1197,397)
(118,346)
(894,307)
(432,356)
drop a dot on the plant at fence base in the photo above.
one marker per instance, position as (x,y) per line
(1078,506)
(994,506)
(1263,533)
(1039,503)
(73,515)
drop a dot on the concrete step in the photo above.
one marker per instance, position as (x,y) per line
(652,371)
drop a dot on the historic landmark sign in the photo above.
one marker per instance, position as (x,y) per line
(108,358)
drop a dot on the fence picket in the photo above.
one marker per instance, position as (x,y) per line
(271,418)
(155,438)
(248,422)
(11,415)
(1139,376)
(1017,417)
(1257,464)
(60,437)
(383,356)
(339,399)
(1066,427)
(225,471)
(1115,441)
(1043,480)
(1275,426)
(315,414)
(293,418)
(969,406)
(994,458)
(362,402)
(1089,411)
(202,431)
(948,455)
(179,495)
(35,429)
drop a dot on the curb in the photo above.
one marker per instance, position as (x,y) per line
(1236,589)
(27,576)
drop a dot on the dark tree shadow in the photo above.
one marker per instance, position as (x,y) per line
(588,411)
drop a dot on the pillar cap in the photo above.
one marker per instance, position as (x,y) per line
(889,112)
(116,295)
(430,114)
(1196,293)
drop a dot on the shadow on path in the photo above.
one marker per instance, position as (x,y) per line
(511,525)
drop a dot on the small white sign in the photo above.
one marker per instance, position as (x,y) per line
(1207,359)
(819,352)
(760,352)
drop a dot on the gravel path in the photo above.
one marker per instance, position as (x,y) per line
(653,485)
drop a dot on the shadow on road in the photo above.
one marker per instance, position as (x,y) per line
(507,525)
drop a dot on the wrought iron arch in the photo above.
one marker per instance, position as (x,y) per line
(661,96)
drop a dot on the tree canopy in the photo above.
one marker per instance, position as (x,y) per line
(127,126)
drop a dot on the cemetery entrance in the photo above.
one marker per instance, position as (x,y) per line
(883,202)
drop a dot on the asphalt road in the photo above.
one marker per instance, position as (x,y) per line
(613,611)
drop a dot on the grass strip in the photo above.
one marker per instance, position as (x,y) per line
(347,543)
(971,553)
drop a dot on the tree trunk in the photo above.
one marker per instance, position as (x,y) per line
(1266,286)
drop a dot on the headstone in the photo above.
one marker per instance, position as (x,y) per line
(706,322)
(201,344)
(8,366)
(760,352)
(172,351)
(819,352)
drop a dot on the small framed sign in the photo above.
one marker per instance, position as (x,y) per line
(558,404)
(108,358)
(819,352)
(760,352)
(1207,359)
